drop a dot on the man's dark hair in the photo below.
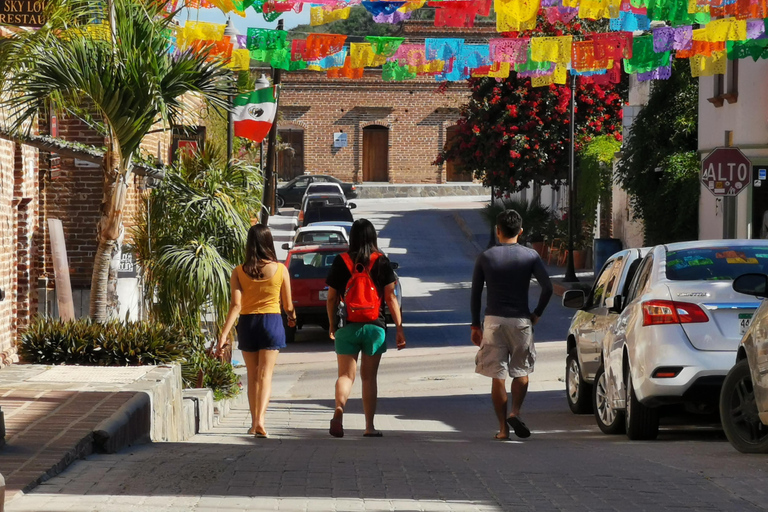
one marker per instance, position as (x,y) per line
(509,223)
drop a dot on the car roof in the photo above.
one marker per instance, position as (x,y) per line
(698,244)
(326,227)
(318,248)
(341,223)
(323,195)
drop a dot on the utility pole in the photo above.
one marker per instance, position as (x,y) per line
(270,178)
(570,271)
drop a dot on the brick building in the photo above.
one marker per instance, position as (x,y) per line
(394,130)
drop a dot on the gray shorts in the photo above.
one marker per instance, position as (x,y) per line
(507,348)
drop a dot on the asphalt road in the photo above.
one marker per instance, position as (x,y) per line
(438,451)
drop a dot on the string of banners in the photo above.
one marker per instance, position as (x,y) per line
(706,32)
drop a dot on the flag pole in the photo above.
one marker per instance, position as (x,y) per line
(270,181)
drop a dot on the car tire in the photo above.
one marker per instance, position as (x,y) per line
(610,420)
(641,421)
(280,201)
(738,412)
(577,391)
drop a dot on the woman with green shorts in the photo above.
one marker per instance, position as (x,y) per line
(368,337)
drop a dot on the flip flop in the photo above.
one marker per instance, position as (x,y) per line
(337,428)
(260,435)
(518,426)
(373,434)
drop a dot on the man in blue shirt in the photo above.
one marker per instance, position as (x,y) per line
(506,337)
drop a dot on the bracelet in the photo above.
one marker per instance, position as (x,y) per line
(476,328)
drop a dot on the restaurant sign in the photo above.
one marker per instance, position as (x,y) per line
(22,13)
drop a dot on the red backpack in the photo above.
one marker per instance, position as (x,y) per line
(361,298)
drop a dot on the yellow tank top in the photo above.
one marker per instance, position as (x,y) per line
(260,296)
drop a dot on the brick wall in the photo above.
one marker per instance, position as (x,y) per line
(416,114)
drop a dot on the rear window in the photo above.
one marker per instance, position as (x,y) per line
(328,214)
(311,265)
(321,237)
(323,189)
(715,263)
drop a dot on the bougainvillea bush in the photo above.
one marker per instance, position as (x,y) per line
(511,134)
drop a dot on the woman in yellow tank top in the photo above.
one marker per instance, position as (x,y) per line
(258,287)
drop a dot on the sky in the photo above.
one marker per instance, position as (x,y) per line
(252,19)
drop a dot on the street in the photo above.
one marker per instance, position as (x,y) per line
(438,450)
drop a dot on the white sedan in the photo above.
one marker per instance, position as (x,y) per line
(318,235)
(677,336)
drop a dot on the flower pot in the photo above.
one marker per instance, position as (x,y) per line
(579,259)
(538,247)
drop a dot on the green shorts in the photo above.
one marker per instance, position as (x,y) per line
(352,338)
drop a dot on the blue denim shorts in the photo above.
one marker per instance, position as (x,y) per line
(260,332)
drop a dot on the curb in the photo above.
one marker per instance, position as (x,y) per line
(465,229)
(130,424)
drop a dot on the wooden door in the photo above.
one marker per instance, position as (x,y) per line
(453,168)
(375,153)
(290,160)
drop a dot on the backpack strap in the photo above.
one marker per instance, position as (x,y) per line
(351,264)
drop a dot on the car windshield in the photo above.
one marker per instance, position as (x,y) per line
(311,265)
(715,263)
(320,237)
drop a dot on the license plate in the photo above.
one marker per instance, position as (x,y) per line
(323,295)
(744,320)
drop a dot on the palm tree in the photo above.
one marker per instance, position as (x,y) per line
(130,80)
(192,234)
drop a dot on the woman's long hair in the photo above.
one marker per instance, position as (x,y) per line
(259,250)
(362,241)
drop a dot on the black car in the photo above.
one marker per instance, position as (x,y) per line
(326,213)
(290,193)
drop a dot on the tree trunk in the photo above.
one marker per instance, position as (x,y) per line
(103,303)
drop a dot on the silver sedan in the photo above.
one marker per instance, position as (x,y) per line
(677,337)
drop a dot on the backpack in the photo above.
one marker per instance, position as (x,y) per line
(361,297)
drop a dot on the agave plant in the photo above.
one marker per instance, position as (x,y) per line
(192,234)
(122,73)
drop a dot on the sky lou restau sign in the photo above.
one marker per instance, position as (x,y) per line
(22,13)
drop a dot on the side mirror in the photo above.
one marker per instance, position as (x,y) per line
(394,265)
(614,304)
(351,206)
(574,299)
(752,284)
(287,247)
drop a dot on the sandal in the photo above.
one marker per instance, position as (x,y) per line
(337,428)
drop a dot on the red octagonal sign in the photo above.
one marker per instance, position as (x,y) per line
(726,172)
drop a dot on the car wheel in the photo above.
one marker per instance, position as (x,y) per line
(641,421)
(738,412)
(576,390)
(610,420)
(280,201)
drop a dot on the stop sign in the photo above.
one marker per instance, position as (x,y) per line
(725,172)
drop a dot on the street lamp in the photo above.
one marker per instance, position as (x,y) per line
(261,83)
(570,271)
(231,31)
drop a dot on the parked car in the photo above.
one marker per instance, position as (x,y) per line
(308,267)
(347,225)
(320,200)
(324,188)
(291,192)
(744,396)
(318,235)
(677,336)
(597,311)
(327,213)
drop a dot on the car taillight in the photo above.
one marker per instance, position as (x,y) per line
(301,216)
(354,187)
(659,312)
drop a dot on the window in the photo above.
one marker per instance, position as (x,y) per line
(600,287)
(641,279)
(613,283)
(726,87)
(715,263)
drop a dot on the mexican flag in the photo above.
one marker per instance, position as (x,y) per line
(254,113)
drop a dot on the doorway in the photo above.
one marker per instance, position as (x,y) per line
(376,153)
(759,201)
(454,171)
(290,160)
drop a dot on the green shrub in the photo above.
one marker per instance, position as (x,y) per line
(538,220)
(83,342)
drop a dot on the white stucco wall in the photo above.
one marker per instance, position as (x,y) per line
(748,120)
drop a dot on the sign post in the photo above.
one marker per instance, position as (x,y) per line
(726,172)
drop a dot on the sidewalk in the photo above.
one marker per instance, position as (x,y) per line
(477,231)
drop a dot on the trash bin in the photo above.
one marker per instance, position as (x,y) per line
(604,248)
